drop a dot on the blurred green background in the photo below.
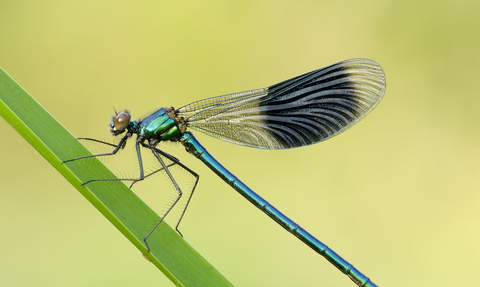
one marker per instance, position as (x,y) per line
(397,195)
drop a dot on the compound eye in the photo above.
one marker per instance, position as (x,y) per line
(121,121)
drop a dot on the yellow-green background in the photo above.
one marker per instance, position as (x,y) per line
(398,195)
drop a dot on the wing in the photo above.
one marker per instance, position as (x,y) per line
(304,110)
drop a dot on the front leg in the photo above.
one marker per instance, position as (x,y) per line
(140,163)
(120,145)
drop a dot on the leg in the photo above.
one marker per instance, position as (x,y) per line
(197,177)
(99,141)
(152,173)
(164,167)
(139,157)
(170,157)
(120,145)
(176,161)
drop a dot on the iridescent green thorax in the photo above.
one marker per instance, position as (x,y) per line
(162,125)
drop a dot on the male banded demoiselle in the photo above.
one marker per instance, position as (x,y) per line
(304,110)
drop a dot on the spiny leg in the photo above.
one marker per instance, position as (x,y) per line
(177,162)
(152,173)
(120,145)
(156,152)
(140,163)
(197,177)
(179,191)
(98,141)
(174,160)
(169,156)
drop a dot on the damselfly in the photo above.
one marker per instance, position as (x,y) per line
(304,110)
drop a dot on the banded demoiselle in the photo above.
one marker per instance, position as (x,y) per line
(304,110)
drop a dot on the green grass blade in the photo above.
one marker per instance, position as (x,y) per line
(170,252)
